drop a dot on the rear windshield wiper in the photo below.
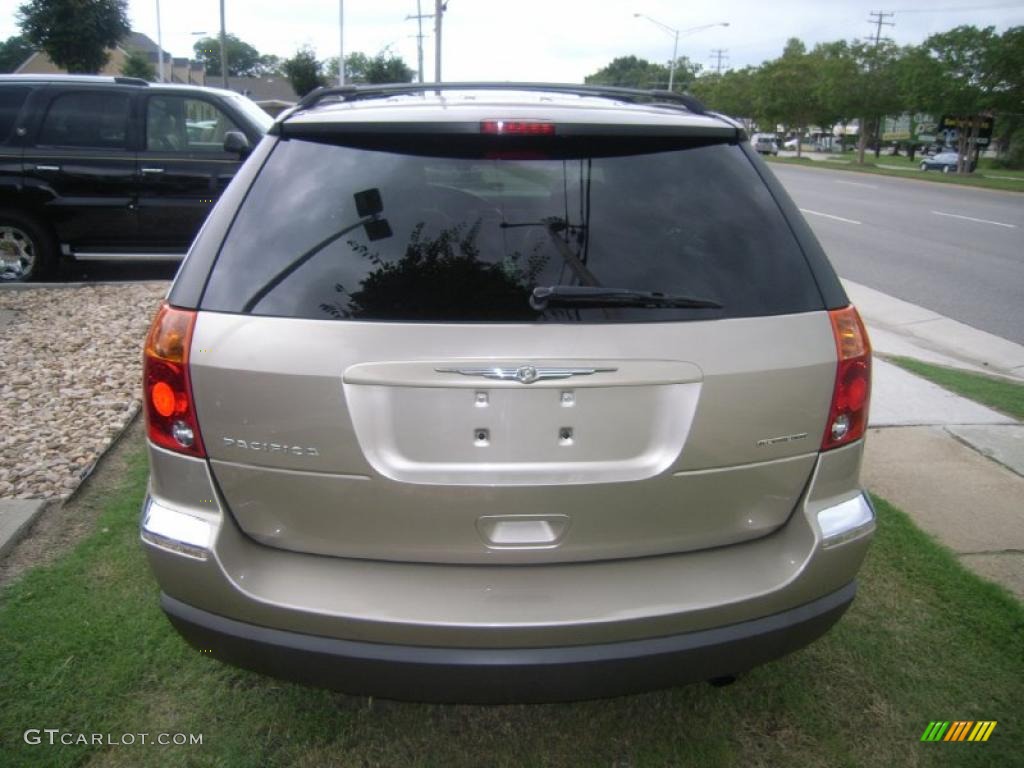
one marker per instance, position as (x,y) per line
(598,296)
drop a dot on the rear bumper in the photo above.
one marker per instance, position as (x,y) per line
(434,631)
(487,675)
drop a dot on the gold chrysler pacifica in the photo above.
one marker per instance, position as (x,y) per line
(514,392)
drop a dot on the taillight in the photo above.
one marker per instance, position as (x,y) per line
(166,387)
(517,127)
(848,414)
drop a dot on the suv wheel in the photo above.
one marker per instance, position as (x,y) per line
(26,248)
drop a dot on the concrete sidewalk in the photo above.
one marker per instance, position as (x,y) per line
(956,467)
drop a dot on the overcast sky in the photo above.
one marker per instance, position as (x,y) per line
(553,40)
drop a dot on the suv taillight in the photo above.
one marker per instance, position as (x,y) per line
(848,414)
(166,387)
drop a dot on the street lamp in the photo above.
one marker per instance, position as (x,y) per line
(160,44)
(675,35)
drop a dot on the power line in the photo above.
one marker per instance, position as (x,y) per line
(961,8)
(878,18)
(718,54)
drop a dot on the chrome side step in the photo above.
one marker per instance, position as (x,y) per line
(89,256)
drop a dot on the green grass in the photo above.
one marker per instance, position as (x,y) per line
(84,647)
(1000,394)
(983,178)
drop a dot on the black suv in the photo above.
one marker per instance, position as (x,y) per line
(112,168)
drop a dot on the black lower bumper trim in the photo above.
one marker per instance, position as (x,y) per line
(489,675)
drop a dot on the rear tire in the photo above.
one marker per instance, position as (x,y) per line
(27,249)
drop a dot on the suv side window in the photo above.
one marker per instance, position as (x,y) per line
(11,101)
(181,124)
(87,119)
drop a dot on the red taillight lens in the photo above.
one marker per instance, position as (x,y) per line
(166,387)
(517,127)
(848,414)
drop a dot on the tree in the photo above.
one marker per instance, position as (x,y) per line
(787,92)
(1008,84)
(75,34)
(137,64)
(962,74)
(243,59)
(13,52)
(269,64)
(872,89)
(732,93)
(633,72)
(385,67)
(304,71)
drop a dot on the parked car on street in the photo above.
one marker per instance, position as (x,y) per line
(944,161)
(791,143)
(507,392)
(764,144)
(108,168)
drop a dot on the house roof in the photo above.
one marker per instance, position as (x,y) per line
(141,42)
(274,88)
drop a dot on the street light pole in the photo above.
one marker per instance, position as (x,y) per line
(223,48)
(159,44)
(672,64)
(438,14)
(341,42)
(419,40)
(676,33)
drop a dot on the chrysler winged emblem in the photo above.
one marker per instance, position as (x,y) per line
(525,374)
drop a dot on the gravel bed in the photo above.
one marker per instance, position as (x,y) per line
(70,380)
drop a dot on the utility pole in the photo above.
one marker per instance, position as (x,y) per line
(439,8)
(878,18)
(223,47)
(420,16)
(719,54)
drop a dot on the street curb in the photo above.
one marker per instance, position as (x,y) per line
(929,330)
(16,518)
(961,433)
(115,441)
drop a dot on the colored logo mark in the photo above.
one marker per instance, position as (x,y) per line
(958,730)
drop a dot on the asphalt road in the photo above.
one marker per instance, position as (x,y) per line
(956,251)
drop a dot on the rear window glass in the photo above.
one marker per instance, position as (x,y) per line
(471,233)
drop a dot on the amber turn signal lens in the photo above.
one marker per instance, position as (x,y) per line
(171,421)
(848,413)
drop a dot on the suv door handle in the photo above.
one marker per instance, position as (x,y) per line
(152,170)
(47,167)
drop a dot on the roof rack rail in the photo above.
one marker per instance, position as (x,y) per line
(636,95)
(131,81)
